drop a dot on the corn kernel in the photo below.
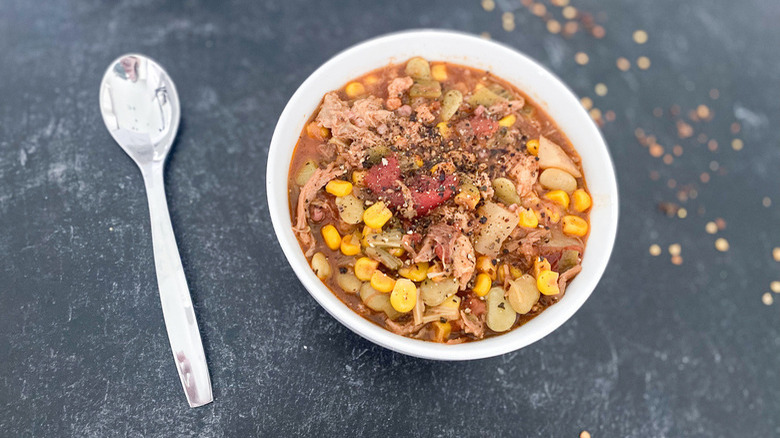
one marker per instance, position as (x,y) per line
(416,272)
(444,129)
(515,272)
(439,72)
(368,230)
(507,121)
(381,282)
(581,200)
(575,226)
(547,282)
(452,302)
(403,297)
(371,80)
(418,161)
(365,268)
(441,331)
(339,187)
(528,218)
(444,166)
(354,89)
(350,245)
(468,196)
(559,197)
(317,131)
(541,264)
(358,176)
(398,252)
(482,284)
(331,236)
(435,272)
(532,146)
(377,215)
(486,265)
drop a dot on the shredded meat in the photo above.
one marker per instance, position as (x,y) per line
(395,91)
(319,209)
(563,280)
(506,107)
(472,324)
(358,123)
(407,243)
(476,306)
(327,151)
(503,270)
(368,112)
(403,329)
(482,182)
(524,170)
(532,238)
(424,113)
(419,308)
(529,126)
(463,260)
(307,195)
(407,209)
(404,111)
(438,242)
(522,245)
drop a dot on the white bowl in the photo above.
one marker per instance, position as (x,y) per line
(545,90)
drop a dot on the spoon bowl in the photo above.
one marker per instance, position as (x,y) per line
(140,107)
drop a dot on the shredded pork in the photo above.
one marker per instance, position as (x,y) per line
(396,90)
(307,195)
(463,260)
(564,278)
(438,242)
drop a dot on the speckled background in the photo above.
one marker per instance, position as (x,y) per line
(658,350)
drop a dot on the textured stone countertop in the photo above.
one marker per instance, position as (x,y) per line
(683,346)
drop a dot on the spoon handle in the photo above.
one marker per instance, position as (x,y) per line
(177,308)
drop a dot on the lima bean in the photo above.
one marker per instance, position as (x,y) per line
(500,315)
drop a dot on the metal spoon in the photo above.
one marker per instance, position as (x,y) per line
(140,108)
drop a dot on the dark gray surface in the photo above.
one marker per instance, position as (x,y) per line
(658,350)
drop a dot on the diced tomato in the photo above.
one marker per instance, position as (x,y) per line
(428,193)
(483,127)
(382,177)
(381,180)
